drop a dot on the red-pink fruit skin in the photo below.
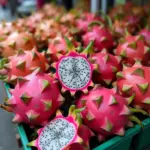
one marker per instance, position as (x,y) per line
(82,23)
(146,34)
(96,34)
(131,54)
(105,68)
(27,57)
(134,80)
(32,87)
(110,111)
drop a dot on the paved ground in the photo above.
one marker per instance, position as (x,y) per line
(7,129)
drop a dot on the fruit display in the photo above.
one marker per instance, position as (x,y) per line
(77,76)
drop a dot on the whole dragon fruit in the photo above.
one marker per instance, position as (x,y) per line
(58,45)
(132,48)
(134,82)
(24,63)
(73,70)
(101,36)
(106,112)
(63,133)
(146,34)
(16,41)
(85,20)
(108,65)
(34,100)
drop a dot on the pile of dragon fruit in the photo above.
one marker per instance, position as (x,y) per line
(77,75)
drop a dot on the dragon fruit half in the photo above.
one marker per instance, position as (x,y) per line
(105,112)
(74,71)
(24,63)
(101,36)
(108,65)
(63,133)
(132,48)
(35,99)
(134,82)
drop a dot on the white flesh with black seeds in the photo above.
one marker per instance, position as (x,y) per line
(56,135)
(74,72)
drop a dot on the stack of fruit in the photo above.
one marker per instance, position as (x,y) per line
(94,69)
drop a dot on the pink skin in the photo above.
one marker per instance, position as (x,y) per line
(105,68)
(32,87)
(132,54)
(128,80)
(70,120)
(73,54)
(85,19)
(96,34)
(105,110)
(40,61)
(146,34)
(59,47)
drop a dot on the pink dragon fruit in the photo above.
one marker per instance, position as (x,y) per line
(108,66)
(85,20)
(63,133)
(132,48)
(24,63)
(58,45)
(146,34)
(35,99)
(101,36)
(74,71)
(134,82)
(106,112)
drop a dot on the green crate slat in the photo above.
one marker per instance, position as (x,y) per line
(123,143)
(20,128)
(142,140)
(120,143)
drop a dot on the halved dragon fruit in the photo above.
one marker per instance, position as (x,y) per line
(74,71)
(62,133)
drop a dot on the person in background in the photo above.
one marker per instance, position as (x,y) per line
(40,3)
(3,3)
(13,6)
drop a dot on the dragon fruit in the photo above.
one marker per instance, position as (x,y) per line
(63,133)
(133,22)
(85,20)
(24,63)
(134,82)
(132,48)
(16,41)
(108,66)
(73,70)
(106,112)
(58,45)
(101,36)
(34,100)
(146,34)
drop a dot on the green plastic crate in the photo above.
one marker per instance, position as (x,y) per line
(142,140)
(120,143)
(123,143)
